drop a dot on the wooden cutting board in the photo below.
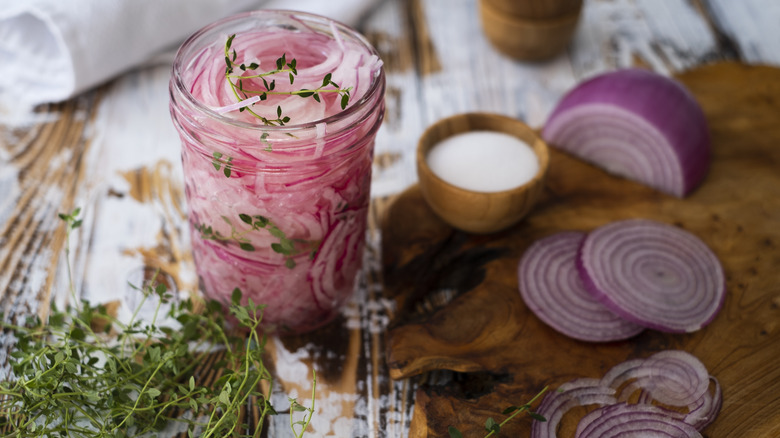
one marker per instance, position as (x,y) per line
(508,354)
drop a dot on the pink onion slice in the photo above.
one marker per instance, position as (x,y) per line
(637,124)
(654,274)
(551,288)
(633,420)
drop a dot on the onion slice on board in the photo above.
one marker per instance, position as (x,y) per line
(551,288)
(677,398)
(671,377)
(578,392)
(654,274)
(637,124)
(633,420)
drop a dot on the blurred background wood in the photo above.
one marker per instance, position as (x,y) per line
(114,153)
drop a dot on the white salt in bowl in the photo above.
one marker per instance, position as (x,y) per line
(496,187)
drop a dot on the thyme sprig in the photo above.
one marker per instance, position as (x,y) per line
(492,427)
(240,84)
(220,160)
(84,373)
(286,246)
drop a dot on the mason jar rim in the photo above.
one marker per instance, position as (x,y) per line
(377,83)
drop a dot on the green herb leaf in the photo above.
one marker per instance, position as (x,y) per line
(235,297)
(492,426)
(511,409)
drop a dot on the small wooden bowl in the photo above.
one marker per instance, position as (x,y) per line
(524,38)
(536,9)
(479,212)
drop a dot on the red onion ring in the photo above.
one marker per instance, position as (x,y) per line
(671,377)
(653,274)
(637,124)
(690,398)
(633,420)
(702,412)
(551,288)
(578,392)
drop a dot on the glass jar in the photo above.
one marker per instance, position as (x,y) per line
(278,207)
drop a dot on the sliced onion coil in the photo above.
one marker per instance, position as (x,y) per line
(578,392)
(677,399)
(633,420)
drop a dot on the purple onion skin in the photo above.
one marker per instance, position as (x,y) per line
(661,101)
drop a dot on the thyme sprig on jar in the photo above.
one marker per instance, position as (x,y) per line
(238,84)
(288,247)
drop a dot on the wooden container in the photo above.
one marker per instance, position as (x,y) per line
(472,211)
(528,39)
(536,9)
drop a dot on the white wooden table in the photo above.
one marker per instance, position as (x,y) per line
(113,152)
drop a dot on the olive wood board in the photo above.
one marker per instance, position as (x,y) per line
(502,355)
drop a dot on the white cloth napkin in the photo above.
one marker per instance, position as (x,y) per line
(51,50)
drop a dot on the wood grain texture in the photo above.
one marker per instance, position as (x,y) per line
(42,168)
(487,328)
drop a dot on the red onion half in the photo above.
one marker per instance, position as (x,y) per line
(656,275)
(551,288)
(637,124)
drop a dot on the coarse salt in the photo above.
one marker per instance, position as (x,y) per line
(483,161)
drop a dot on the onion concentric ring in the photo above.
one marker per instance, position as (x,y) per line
(551,288)
(653,274)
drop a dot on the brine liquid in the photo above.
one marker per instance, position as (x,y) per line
(281,213)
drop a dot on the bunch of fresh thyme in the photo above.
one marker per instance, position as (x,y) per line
(71,378)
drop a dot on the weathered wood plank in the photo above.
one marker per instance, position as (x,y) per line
(752,25)
(41,170)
